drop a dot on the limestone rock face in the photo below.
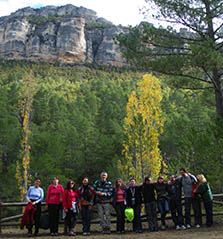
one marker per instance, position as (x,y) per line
(67,34)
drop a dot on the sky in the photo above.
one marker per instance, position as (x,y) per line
(125,12)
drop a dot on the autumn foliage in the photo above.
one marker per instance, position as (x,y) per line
(142,126)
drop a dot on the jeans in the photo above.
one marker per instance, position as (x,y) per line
(151,215)
(209,213)
(37,215)
(120,211)
(176,212)
(86,218)
(163,208)
(137,224)
(53,210)
(188,202)
(196,204)
(104,209)
(70,219)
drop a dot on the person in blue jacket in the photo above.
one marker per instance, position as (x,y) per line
(35,195)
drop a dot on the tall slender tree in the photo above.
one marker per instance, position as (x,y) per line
(25,107)
(142,127)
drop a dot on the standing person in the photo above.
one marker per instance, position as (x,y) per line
(204,190)
(119,203)
(162,199)
(53,201)
(35,195)
(196,205)
(70,205)
(174,189)
(187,181)
(134,200)
(148,191)
(103,190)
(86,194)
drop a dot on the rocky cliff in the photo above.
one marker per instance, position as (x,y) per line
(67,34)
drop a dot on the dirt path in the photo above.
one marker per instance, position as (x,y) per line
(215,232)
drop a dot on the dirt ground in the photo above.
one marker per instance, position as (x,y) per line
(215,232)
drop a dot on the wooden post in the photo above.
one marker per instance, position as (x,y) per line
(0,217)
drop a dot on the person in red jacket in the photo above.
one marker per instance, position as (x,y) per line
(70,205)
(53,201)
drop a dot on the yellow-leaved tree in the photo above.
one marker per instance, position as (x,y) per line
(142,127)
(26,95)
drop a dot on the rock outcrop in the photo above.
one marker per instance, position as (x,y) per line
(67,34)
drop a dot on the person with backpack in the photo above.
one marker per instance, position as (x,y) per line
(103,190)
(134,200)
(174,189)
(204,191)
(162,199)
(119,203)
(187,181)
(148,192)
(86,195)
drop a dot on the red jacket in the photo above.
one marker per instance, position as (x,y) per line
(28,215)
(54,194)
(194,189)
(69,197)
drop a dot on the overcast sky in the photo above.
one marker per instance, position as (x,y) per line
(125,12)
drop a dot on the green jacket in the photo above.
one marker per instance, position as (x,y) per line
(205,192)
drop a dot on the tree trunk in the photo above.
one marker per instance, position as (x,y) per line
(219,97)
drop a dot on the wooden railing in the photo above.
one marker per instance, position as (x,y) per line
(4,221)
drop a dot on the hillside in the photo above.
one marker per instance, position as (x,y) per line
(66,34)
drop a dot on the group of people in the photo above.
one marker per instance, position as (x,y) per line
(167,196)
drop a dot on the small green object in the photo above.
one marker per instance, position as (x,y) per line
(129,213)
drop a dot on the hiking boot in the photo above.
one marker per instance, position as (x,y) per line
(188,226)
(177,227)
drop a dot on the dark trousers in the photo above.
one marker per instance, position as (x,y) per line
(151,215)
(188,202)
(137,224)
(163,208)
(209,213)
(86,218)
(196,204)
(176,212)
(37,215)
(54,210)
(70,219)
(120,211)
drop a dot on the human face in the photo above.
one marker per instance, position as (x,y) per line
(182,173)
(132,182)
(104,177)
(149,181)
(172,178)
(85,181)
(160,180)
(119,183)
(55,181)
(37,183)
(71,184)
